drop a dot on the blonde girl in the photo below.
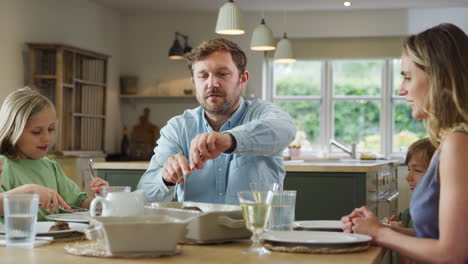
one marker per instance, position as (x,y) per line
(27,128)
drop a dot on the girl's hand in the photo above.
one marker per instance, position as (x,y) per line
(368,224)
(48,198)
(97,184)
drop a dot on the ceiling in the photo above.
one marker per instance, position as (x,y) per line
(132,6)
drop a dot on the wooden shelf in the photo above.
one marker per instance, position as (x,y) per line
(156,97)
(90,83)
(45,76)
(75,81)
(88,115)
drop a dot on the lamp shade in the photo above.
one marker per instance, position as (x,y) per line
(230,20)
(262,38)
(176,52)
(284,52)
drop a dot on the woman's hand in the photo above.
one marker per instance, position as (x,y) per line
(48,198)
(367,224)
(347,220)
(97,184)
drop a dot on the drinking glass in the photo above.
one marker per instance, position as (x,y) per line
(282,212)
(264,187)
(255,209)
(20,219)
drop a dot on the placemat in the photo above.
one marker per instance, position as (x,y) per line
(302,249)
(92,249)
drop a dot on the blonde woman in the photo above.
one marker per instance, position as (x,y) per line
(27,126)
(434,65)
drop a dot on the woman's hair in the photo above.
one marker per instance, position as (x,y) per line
(442,53)
(422,146)
(18,108)
(208,47)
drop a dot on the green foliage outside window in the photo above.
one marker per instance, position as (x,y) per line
(354,120)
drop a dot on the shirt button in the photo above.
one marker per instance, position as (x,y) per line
(220,194)
(219,169)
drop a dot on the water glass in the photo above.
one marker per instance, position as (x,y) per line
(264,187)
(106,190)
(282,211)
(20,219)
(255,210)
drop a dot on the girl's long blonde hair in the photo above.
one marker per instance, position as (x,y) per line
(442,53)
(18,108)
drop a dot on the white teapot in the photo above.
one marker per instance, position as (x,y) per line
(120,204)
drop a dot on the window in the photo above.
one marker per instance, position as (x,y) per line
(352,101)
(357,86)
(298,92)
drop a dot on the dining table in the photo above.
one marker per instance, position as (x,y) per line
(218,253)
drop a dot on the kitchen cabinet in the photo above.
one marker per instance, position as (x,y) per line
(329,195)
(325,191)
(326,195)
(121,177)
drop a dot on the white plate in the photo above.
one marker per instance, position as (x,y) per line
(79,217)
(319,225)
(42,228)
(315,238)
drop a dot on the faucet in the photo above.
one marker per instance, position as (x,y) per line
(351,152)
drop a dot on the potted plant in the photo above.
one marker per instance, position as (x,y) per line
(295,146)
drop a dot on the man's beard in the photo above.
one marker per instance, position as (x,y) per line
(224,109)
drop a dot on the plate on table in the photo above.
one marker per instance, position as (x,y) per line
(319,225)
(314,239)
(42,228)
(78,217)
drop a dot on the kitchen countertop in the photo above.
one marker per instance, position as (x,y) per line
(290,166)
(223,253)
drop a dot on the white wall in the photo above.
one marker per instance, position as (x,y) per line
(79,23)
(421,19)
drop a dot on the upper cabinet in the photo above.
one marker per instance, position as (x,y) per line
(75,80)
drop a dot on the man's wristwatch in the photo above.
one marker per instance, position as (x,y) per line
(233,146)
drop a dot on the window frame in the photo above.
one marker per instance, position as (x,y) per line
(387,100)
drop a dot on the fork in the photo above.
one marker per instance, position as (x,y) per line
(184,177)
(91,168)
(73,209)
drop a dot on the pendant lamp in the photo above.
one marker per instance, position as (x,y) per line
(230,20)
(177,52)
(284,53)
(262,38)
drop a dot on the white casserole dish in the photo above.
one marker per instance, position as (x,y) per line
(216,223)
(120,235)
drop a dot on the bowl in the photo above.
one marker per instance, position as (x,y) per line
(119,235)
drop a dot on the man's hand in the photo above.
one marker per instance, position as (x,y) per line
(208,146)
(174,168)
(48,198)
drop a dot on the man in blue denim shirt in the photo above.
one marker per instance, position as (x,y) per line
(229,141)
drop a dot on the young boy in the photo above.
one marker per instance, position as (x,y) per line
(417,159)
